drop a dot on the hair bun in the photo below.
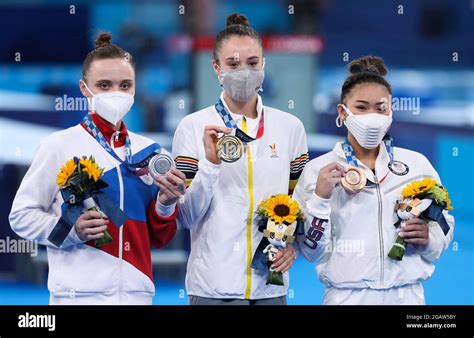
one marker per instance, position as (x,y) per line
(237,19)
(368,64)
(103,39)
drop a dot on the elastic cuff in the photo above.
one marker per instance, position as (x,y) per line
(433,250)
(73,238)
(319,207)
(164,210)
(429,251)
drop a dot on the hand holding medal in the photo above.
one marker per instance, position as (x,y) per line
(354,179)
(171,181)
(229,148)
(213,143)
(159,165)
(351,178)
(329,176)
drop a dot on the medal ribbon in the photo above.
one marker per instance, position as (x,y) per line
(351,156)
(230,123)
(99,137)
(352,159)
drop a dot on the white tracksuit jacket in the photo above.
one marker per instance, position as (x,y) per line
(220,203)
(119,272)
(350,235)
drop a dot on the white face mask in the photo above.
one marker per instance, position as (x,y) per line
(368,129)
(112,107)
(242,84)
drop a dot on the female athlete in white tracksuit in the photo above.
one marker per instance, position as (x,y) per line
(350,234)
(119,272)
(220,203)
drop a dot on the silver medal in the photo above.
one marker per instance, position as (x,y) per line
(159,165)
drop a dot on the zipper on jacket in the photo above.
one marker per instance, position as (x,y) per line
(121,191)
(381,246)
(120,251)
(248,274)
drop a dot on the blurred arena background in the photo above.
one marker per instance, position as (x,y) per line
(427,45)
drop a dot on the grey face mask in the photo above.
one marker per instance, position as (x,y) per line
(242,84)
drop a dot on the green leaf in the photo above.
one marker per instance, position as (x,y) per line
(275,278)
(397,252)
(75,179)
(104,240)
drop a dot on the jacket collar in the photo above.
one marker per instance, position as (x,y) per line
(109,131)
(381,163)
(237,117)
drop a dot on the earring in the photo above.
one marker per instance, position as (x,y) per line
(338,121)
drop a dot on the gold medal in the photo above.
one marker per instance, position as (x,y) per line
(354,180)
(229,148)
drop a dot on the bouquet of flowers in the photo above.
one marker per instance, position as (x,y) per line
(80,182)
(279,216)
(425,199)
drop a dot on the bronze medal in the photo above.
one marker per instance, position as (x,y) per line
(354,180)
(229,148)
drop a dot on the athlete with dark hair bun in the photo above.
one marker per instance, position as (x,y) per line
(349,197)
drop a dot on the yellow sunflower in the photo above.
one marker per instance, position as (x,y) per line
(418,187)
(448,200)
(65,173)
(282,208)
(91,168)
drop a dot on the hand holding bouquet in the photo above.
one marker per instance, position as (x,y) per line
(279,216)
(424,199)
(81,185)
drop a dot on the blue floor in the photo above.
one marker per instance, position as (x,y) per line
(452,282)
